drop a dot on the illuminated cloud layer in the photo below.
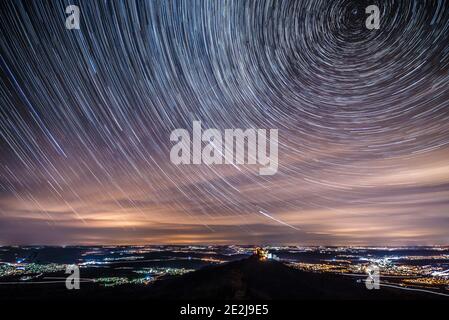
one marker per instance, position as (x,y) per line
(86,116)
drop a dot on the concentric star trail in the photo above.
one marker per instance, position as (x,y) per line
(86,116)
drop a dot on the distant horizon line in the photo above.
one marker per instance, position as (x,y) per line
(220,245)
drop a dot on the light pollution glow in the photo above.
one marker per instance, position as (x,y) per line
(86,117)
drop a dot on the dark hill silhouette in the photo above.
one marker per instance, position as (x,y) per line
(254,279)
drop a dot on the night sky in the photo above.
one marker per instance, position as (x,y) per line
(86,117)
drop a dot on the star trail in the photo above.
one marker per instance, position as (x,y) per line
(86,116)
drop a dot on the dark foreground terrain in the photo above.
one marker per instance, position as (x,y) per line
(271,280)
(247,279)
